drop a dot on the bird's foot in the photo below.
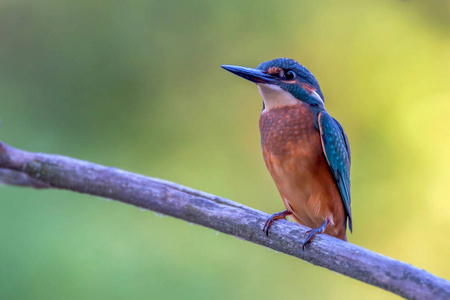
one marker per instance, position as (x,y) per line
(279,215)
(311,233)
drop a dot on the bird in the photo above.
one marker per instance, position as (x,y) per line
(306,151)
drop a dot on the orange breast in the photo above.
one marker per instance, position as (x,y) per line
(293,154)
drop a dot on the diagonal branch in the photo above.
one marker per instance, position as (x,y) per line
(36,170)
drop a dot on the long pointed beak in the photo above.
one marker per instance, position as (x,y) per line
(254,75)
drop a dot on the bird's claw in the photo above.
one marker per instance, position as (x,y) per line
(267,225)
(312,232)
(272,218)
(309,235)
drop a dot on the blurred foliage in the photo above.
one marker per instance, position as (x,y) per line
(137,85)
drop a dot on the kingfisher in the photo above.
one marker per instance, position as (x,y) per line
(305,150)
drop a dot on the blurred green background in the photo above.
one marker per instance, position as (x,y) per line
(138,85)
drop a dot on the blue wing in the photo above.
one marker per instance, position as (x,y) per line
(337,152)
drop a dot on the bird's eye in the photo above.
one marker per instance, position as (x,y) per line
(290,75)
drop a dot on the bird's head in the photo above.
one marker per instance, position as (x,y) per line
(282,81)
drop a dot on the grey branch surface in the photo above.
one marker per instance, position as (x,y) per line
(37,170)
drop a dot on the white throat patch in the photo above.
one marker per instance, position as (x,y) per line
(316,95)
(274,96)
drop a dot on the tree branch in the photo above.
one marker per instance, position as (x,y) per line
(36,170)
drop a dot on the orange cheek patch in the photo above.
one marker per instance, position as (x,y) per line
(274,70)
(307,87)
(292,81)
